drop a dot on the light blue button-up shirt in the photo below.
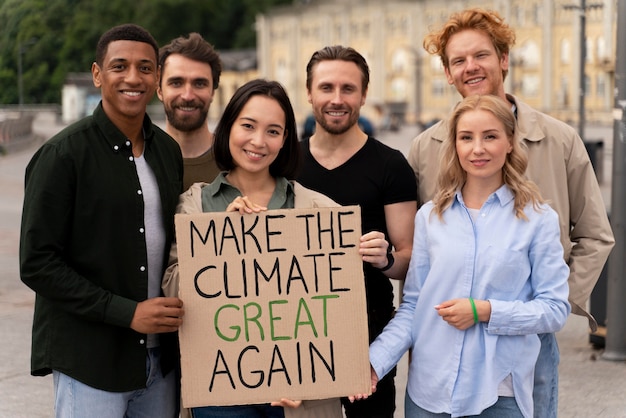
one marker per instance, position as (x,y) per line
(514,263)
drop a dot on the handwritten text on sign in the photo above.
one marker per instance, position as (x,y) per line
(274,306)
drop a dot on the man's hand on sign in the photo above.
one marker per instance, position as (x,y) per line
(157,315)
(373,249)
(243,204)
(288,403)
(361,396)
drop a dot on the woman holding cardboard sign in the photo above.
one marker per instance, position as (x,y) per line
(486,276)
(256,144)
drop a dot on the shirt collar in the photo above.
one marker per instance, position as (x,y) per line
(284,187)
(503,196)
(116,139)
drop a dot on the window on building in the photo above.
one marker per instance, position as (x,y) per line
(436,64)
(530,85)
(399,61)
(601,86)
(565,51)
(537,15)
(601,51)
(399,89)
(562,97)
(438,88)
(530,54)
(590,50)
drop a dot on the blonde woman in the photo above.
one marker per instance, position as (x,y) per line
(486,276)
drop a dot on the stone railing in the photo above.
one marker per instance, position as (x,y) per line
(16,132)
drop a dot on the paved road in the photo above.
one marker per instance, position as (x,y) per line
(589,386)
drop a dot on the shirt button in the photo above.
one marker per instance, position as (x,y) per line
(131,158)
(141,230)
(128,143)
(142,268)
(115,148)
(141,341)
(139,192)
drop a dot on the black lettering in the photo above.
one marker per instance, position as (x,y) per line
(258,372)
(315,276)
(194,231)
(307,229)
(330,368)
(283,368)
(331,268)
(258,272)
(220,360)
(321,230)
(228,232)
(227,287)
(299,357)
(249,233)
(344,231)
(270,233)
(196,278)
(295,273)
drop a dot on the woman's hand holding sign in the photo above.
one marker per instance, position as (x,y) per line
(243,204)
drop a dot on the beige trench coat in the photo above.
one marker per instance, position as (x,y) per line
(560,166)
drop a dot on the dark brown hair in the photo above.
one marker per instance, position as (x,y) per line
(195,48)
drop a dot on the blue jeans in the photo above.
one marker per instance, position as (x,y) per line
(505,407)
(158,399)
(239,411)
(546,390)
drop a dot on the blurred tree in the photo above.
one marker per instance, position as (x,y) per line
(59,36)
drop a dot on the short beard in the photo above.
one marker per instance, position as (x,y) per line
(336,129)
(186,124)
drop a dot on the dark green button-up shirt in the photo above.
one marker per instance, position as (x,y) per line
(83,250)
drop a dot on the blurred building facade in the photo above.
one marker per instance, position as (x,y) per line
(544,64)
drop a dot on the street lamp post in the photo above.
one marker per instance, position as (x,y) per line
(616,282)
(582,11)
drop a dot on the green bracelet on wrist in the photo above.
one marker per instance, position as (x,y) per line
(474,310)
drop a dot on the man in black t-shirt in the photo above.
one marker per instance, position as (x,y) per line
(342,162)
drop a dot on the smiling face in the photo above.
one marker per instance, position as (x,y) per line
(482,147)
(336,95)
(127,80)
(473,64)
(257,135)
(186,92)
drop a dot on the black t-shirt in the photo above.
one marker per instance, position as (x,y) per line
(375,176)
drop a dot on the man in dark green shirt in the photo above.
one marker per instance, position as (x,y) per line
(97,225)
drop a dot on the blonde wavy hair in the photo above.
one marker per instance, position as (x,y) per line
(452,176)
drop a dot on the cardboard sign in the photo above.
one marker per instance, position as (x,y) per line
(274,306)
